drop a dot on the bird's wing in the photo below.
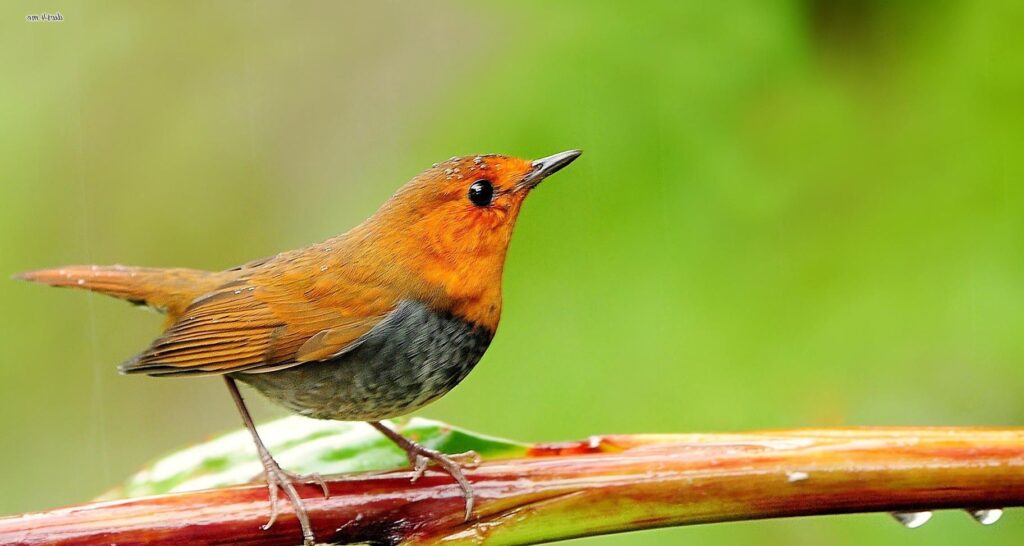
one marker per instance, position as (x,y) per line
(264,322)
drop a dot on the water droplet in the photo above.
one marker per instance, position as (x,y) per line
(448,171)
(81,282)
(434,166)
(323,268)
(986,516)
(796,476)
(912,520)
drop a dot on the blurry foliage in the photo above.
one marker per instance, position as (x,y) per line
(788,213)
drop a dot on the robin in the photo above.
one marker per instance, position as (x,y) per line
(365,326)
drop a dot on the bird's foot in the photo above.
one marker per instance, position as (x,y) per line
(420,460)
(279,479)
(420,457)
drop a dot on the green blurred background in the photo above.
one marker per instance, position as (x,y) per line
(789,213)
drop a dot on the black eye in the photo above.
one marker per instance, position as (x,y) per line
(481,192)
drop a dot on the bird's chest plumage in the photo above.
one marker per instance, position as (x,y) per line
(413,357)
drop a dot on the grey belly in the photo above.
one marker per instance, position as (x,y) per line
(414,356)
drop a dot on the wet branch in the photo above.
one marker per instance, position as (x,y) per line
(605,485)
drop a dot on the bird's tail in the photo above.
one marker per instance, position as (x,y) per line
(168,290)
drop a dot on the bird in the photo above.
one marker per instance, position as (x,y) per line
(368,325)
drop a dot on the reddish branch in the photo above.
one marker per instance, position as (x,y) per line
(607,484)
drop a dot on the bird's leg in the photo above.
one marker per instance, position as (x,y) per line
(277,477)
(420,457)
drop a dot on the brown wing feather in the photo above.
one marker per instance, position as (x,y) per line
(262,322)
(328,343)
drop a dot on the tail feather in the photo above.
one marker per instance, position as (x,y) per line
(168,290)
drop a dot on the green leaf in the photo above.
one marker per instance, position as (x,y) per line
(303,446)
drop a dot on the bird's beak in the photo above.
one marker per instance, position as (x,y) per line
(545,167)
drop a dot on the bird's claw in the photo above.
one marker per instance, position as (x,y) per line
(467,459)
(420,458)
(279,479)
(419,465)
(314,478)
(273,489)
(419,462)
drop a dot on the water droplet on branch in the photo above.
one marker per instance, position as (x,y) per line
(912,520)
(986,516)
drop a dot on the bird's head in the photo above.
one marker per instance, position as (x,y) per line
(451,225)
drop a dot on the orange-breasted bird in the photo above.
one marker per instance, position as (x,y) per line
(368,325)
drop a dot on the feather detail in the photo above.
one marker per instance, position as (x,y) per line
(167,290)
(256,323)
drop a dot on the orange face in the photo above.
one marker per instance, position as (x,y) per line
(451,225)
(468,206)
